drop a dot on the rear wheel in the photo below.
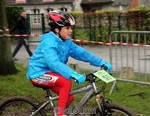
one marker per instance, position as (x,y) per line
(115,110)
(19,106)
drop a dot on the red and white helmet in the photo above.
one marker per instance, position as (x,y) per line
(57,19)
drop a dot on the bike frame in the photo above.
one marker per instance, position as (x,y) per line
(92,90)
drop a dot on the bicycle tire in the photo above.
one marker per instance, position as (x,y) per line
(115,110)
(19,106)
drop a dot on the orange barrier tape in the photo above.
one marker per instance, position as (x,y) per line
(83,41)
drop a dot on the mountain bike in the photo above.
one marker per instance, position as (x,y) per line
(25,106)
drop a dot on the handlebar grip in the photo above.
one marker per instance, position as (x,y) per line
(104,67)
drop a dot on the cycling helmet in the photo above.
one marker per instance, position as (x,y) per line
(58,19)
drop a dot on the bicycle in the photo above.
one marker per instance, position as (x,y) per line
(25,106)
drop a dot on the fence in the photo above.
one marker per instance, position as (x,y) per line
(95,26)
(130,56)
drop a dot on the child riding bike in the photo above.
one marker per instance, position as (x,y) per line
(47,66)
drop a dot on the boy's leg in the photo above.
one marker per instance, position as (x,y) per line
(26,45)
(60,85)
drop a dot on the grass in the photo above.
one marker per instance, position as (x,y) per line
(131,95)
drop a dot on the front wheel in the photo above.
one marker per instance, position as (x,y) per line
(114,110)
(19,106)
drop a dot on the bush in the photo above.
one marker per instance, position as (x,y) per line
(12,13)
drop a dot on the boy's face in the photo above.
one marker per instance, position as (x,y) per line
(66,32)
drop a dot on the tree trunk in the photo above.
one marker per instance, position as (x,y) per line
(7,65)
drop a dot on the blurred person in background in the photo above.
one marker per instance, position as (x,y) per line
(21,27)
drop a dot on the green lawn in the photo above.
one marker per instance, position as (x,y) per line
(134,96)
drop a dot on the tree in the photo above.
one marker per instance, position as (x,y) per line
(7,65)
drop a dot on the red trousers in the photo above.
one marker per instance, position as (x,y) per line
(58,84)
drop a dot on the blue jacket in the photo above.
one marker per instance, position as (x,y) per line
(52,54)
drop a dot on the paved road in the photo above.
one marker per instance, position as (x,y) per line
(102,51)
(139,58)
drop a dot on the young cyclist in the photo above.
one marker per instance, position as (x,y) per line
(47,66)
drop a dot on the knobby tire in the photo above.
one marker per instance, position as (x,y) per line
(19,106)
(115,110)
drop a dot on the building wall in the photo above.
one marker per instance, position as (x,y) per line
(145,2)
(77,5)
(42,8)
(134,3)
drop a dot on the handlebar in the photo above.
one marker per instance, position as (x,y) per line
(91,77)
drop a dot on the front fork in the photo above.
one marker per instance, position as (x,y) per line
(100,104)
